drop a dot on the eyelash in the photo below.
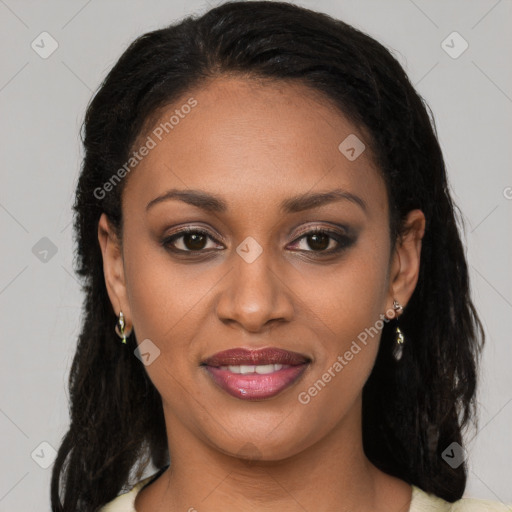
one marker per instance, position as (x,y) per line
(343,241)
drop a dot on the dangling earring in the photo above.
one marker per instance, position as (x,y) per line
(120,328)
(399,341)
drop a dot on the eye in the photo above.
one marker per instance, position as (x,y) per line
(324,241)
(190,240)
(320,240)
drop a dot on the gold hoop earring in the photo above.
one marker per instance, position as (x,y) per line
(399,340)
(120,331)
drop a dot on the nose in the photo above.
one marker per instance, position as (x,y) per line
(254,295)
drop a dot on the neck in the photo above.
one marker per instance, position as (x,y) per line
(332,474)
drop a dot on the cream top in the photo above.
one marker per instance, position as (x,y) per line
(421,502)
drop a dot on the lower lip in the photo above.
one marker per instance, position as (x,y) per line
(254,386)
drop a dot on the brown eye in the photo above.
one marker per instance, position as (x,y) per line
(194,241)
(323,241)
(190,240)
(318,241)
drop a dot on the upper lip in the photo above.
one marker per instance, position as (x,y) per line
(244,356)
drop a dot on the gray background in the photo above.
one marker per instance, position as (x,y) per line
(42,102)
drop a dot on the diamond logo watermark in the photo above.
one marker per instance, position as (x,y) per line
(249,249)
(44,45)
(44,250)
(249,453)
(454,45)
(453,455)
(44,455)
(147,352)
(352,147)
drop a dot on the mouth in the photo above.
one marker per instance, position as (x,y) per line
(255,374)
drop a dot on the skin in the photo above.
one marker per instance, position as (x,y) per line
(256,144)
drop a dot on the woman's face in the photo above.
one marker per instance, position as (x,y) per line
(253,278)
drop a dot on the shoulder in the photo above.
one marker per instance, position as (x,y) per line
(125,502)
(424,502)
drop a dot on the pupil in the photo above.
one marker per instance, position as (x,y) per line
(318,245)
(195,241)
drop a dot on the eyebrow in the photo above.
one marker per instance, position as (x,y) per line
(211,203)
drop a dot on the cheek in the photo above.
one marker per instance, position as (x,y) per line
(165,303)
(350,296)
(350,303)
(167,299)
(350,306)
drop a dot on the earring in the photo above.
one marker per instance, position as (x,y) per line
(399,343)
(120,328)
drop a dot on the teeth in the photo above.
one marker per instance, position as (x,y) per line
(267,368)
(260,369)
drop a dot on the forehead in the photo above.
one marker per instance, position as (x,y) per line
(252,139)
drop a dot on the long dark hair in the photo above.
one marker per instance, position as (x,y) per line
(413,409)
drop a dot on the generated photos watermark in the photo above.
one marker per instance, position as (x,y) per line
(158,133)
(304,397)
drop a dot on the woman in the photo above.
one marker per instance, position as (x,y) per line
(277,310)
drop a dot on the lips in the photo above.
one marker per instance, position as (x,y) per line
(242,356)
(255,374)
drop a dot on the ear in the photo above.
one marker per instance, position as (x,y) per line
(113,268)
(405,265)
